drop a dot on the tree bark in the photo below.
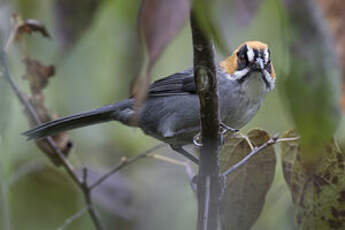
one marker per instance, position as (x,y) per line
(209,180)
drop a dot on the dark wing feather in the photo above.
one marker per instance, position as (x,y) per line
(176,84)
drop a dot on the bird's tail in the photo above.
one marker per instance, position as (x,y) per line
(100,115)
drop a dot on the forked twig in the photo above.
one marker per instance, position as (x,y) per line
(74,217)
(273,140)
(124,163)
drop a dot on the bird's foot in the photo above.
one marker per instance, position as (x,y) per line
(197,140)
(223,129)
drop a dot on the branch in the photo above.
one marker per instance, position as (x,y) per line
(57,151)
(273,140)
(124,163)
(209,180)
(73,218)
(188,168)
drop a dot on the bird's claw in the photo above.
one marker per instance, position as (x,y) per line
(224,129)
(197,140)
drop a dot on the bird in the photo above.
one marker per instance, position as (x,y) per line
(171,111)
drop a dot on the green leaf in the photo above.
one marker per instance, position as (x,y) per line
(319,197)
(43,190)
(312,87)
(247,186)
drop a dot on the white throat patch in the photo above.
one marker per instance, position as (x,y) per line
(237,75)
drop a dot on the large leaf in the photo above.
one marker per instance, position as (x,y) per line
(319,197)
(73,18)
(43,190)
(159,22)
(312,87)
(247,186)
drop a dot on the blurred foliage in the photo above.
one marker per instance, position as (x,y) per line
(204,13)
(318,196)
(73,19)
(98,70)
(334,13)
(159,22)
(27,190)
(312,87)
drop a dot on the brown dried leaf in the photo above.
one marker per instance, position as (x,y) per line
(318,196)
(159,21)
(37,74)
(28,26)
(61,140)
(247,186)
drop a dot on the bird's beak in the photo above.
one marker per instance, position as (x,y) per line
(258,64)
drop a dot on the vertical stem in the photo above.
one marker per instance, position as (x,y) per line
(209,180)
(4,208)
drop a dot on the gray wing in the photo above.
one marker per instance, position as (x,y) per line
(177,84)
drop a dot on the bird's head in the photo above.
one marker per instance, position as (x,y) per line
(250,57)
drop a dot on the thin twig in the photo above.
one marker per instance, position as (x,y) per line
(65,163)
(167,159)
(185,164)
(188,168)
(271,141)
(74,217)
(124,163)
(248,141)
(275,139)
(87,195)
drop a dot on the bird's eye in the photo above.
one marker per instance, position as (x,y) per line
(242,58)
(268,62)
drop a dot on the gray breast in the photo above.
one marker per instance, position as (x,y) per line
(240,101)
